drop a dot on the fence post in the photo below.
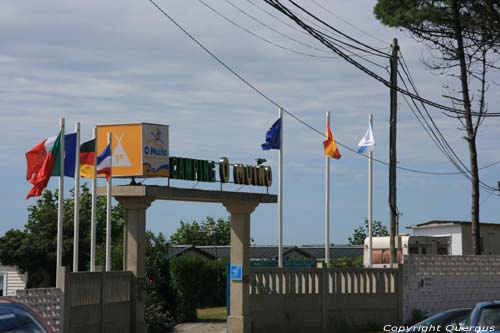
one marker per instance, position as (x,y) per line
(133,302)
(400,291)
(324,290)
(63,282)
(101,301)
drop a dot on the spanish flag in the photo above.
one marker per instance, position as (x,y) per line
(330,145)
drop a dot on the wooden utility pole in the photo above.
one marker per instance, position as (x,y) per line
(392,152)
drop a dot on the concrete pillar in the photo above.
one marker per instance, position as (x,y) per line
(134,248)
(240,320)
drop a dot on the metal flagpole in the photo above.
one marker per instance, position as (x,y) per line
(93,219)
(327,202)
(76,215)
(108,209)
(60,210)
(370,198)
(280,194)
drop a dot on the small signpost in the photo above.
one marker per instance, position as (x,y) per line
(236,273)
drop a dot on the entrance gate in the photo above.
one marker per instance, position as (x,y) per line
(137,199)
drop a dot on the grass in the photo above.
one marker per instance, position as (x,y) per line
(212,314)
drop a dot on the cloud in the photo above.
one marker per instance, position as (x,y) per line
(103,62)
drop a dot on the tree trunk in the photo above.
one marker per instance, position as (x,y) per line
(471,134)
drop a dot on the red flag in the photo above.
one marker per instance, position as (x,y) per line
(41,162)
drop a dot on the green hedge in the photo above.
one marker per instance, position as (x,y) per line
(347,262)
(197,282)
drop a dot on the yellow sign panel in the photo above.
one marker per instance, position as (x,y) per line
(137,149)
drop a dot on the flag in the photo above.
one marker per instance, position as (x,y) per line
(43,160)
(367,143)
(87,159)
(69,156)
(330,146)
(104,162)
(273,136)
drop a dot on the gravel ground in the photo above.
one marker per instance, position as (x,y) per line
(200,328)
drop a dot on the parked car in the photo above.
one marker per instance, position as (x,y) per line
(19,318)
(448,321)
(485,317)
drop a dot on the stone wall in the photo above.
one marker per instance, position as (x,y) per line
(433,283)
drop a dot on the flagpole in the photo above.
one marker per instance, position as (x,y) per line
(93,218)
(327,202)
(108,209)
(60,208)
(280,194)
(76,216)
(370,198)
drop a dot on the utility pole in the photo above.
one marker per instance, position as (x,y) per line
(392,153)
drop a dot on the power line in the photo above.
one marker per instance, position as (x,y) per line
(274,30)
(348,23)
(262,38)
(305,33)
(335,29)
(318,35)
(284,47)
(434,132)
(302,43)
(259,92)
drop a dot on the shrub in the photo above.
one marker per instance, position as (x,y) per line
(196,282)
(347,262)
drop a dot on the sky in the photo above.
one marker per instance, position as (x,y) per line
(100,62)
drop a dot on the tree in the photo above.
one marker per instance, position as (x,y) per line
(208,232)
(160,299)
(467,46)
(360,233)
(33,249)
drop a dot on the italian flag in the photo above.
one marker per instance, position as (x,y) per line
(44,160)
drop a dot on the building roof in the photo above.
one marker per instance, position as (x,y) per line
(446,222)
(263,252)
(176,251)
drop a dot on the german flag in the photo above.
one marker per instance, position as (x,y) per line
(87,159)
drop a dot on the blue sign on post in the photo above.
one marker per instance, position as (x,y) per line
(236,272)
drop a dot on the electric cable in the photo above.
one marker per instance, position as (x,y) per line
(313,32)
(270,100)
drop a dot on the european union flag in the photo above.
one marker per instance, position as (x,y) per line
(273,136)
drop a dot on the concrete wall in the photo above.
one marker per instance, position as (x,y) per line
(322,300)
(436,283)
(100,302)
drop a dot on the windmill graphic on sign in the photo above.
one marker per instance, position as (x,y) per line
(120,157)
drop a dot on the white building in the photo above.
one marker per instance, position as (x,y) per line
(381,253)
(11,280)
(460,235)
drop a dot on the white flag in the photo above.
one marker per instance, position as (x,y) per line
(367,143)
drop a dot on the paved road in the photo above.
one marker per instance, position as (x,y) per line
(200,328)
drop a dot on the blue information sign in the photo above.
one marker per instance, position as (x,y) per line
(236,272)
